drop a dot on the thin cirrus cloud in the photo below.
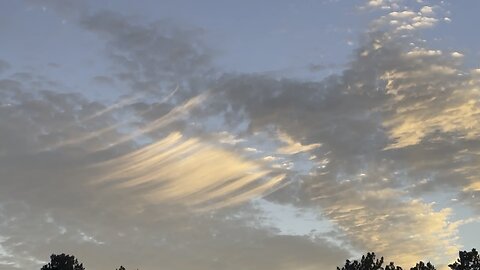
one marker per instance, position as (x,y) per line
(174,169)
(170,174)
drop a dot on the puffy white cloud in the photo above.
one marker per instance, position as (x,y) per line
(457,54)
(375,3)
(402,14)
(427,10)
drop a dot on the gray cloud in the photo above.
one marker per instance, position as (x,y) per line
(148,57)
(363,147)
(4,66)
(50,205)
(398,124)
(180,243)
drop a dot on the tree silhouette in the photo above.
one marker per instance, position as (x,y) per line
(422,266)
(63,262)
(392,266)
(122,268)
(468,260)
(368,262)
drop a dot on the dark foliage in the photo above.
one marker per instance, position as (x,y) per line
(423,266)
(63,262)
(468,260)
(392,266)
(368,262)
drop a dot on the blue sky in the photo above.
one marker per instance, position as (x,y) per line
(238,134)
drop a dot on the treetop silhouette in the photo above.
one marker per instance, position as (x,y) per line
(422,266)
(468,260)
(368,262)
(392,266)
(63,262)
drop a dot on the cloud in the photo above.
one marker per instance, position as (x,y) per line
(375,3)
(203,242)
(165,172)
(457,55)
(406,19)
(4,66)
(427,10)
(375,218)
(147,57)
(410,113)
(293,147)
(188,172)
(79,199)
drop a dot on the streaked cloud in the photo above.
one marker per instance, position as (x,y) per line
(292,147)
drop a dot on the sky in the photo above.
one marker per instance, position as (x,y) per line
(238,134)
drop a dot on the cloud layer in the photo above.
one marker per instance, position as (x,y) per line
(169,168)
